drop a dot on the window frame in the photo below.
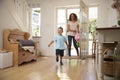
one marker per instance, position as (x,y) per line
(32,32)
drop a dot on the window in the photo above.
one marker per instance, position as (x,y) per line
(36,19)
(73,10)
(63,16)
(61,19)
(92,26)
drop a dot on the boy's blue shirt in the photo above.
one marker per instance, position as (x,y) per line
(60,42)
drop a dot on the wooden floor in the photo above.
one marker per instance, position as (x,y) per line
(47,69)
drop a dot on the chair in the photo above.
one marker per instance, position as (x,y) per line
(17,41)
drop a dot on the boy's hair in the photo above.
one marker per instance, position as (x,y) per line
(60,28)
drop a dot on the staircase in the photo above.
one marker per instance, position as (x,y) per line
(15,9)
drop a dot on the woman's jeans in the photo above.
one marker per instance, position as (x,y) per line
(70,38)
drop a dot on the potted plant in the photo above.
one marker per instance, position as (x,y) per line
(92,27)
(119,23)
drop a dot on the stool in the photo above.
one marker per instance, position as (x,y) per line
(6,59)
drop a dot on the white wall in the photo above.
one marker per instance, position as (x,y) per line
(107,16)
(8,20)
(48,18)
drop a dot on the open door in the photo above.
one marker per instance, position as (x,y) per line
(84,31)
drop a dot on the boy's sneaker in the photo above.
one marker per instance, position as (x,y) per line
(61,63)
(57,59)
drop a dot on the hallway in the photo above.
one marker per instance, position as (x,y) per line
(47,69)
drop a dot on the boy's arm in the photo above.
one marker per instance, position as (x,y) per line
(50,43)
(66,44)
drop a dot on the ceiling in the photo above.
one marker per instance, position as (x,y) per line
(87,2)
(91,2)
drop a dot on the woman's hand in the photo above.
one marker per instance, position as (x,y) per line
(49,45)
(73,30)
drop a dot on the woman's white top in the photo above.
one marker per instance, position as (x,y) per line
(73,26)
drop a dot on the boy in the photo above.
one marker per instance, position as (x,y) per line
(59,45)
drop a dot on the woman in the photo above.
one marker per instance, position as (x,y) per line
(72,28)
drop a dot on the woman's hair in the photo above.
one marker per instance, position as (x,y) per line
(60,28)
(75,17)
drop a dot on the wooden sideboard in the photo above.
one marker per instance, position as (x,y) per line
(104,36)
(108,34)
